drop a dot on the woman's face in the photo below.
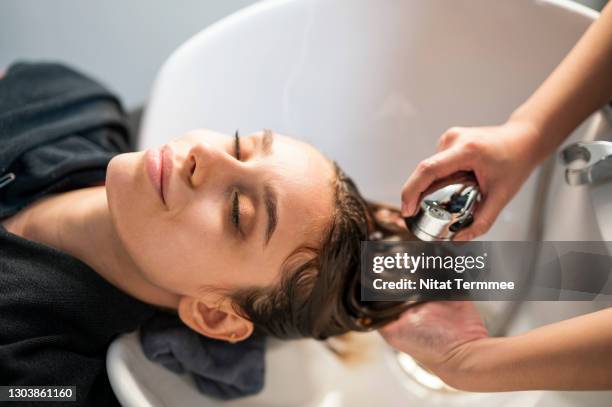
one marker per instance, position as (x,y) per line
(227,219)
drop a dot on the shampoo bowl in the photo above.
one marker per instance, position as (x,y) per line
(372,84)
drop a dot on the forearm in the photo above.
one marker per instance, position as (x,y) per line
(575,354)
(581,84)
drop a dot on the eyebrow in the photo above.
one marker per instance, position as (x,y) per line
(270,197)
(266,141)
(270,202)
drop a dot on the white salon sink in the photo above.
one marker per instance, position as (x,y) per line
(372,84)
(601,195)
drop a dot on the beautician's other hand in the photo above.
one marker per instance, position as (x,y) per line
(438,334)
(501,157)
(449,339)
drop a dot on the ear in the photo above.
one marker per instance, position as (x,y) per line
(216,320)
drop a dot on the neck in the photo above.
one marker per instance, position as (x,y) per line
(86,231)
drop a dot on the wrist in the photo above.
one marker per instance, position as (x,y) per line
(529,133)
(472,366)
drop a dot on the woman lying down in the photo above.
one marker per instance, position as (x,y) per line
(234,234)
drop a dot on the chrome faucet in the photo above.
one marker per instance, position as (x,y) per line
(587,162)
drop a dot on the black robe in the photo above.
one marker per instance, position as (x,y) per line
(58,131)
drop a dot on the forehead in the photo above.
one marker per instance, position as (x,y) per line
(304,178)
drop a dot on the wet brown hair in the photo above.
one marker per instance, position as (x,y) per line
(309,301)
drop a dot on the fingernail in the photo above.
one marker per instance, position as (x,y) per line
(405,212)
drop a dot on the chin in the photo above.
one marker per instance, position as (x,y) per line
(124,189)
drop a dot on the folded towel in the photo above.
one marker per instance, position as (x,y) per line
(220,369)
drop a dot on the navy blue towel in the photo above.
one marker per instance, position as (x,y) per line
(220,369)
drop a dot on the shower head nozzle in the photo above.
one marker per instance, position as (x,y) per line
(445,211)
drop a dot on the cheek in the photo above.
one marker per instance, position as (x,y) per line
(183,252)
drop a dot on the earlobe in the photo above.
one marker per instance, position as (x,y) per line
(217,321)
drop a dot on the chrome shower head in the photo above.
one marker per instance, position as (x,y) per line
(445,210)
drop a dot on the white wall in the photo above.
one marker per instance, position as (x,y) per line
(121,42)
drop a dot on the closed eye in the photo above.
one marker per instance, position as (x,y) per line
(236,195)
(236,210)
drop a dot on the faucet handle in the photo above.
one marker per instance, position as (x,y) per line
(587,162)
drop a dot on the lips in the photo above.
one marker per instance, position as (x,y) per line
(166,160)
(153,159)
(159,169)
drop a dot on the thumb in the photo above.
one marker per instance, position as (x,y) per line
(484,216)
(438,166)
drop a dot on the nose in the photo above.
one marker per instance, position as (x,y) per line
(206,161)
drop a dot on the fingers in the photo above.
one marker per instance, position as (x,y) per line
(428,171)
(484,216)
(448,138)
(461,177)
(403,328)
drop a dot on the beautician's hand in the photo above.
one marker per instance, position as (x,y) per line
(437,334)
(501,157)
(449,339)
